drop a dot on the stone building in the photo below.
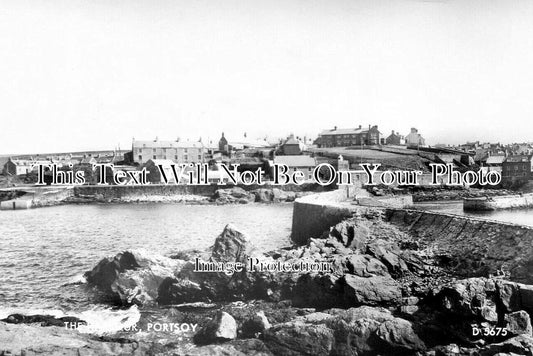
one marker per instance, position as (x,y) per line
(291,146)
(414,139)
(305,164)
(349,137)
(176,151)
(395,139)
(223,144)
(18,167)
(516,170)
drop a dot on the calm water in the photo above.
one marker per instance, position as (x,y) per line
(517,216)
(42,249)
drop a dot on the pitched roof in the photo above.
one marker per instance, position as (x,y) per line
(28,162)
(518,158)
(167,144)
(343,131)
(296,161)
(292,141)
(495,159)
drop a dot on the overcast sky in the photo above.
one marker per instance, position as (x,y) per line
(77,75)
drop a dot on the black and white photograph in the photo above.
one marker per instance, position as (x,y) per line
(266,177)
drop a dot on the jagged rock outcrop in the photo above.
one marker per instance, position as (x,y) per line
(487,299)
(43,320)
(188,285)
(354,278)
(353,234)
(365,266)
(233,195)
(222,328)
(518,323)
(378,290)
(232,245)
(35,340)
(255,325)
(373,265)
(355,331)
(133,277)
(273,195)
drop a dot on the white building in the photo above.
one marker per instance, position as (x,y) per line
(176,151)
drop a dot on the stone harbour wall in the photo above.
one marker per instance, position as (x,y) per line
(472,247)
(314,214)
(476,246)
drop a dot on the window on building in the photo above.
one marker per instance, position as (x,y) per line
(175,157)
(140,157)
(199,157)
(153,150)
(154,156)
(186,157)
(185,150)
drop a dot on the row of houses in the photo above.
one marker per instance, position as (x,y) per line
(24,165)
(303,163)
(248,153)
(370,136)
(197,152)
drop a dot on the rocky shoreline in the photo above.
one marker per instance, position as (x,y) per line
(428,194)
(387,293)
(234,195)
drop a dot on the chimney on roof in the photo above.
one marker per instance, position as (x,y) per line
(334,128)
(359,127)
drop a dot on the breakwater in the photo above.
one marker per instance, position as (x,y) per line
(472,246)
(315,214)
(37,197)
(476,247)
(499,202)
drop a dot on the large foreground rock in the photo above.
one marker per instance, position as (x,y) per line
(356,331)
(487,299)
(133,277)
(232,245)
(18,339)
(377,290)
(221,328)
